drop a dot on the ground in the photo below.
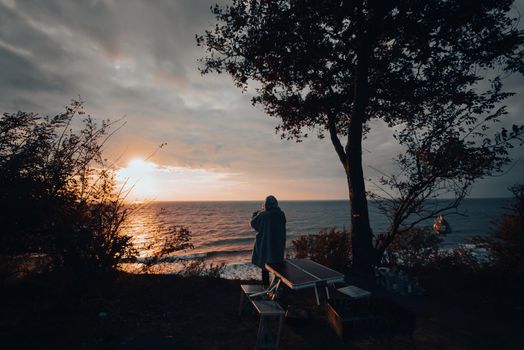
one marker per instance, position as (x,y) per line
(172,312)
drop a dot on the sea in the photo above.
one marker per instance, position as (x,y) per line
(221,232)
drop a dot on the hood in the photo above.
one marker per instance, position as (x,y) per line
(270,203)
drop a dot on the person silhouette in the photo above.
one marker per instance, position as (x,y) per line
(270,240)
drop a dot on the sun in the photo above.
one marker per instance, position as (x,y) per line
(138,177)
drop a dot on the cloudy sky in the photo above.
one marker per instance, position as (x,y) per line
(138,59)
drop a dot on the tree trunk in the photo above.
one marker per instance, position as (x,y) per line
(351,159)
(361,236)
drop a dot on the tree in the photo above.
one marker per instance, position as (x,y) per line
(334,65)
(57,193)
(442,159)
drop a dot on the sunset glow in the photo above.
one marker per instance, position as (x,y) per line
(139,177)
(146,180)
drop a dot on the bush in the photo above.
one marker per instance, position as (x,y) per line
(506,243)
(439,272)
(167,240)
(199,267)
(453,273)
(414,248)
(61,209)
(459,272)
(93,240)
(505,246)
(330,247)
(57,196)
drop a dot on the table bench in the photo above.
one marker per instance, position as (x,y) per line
(376,320)
(355,292)
(266,309)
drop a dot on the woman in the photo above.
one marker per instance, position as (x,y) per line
(270,241)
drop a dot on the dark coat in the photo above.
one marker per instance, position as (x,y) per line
(270,242)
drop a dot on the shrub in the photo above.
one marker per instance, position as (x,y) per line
(172,239)
(506,243)
(199,267)
(459,272)
(506,249)
(415,248)
(169,239)
(60,204)
(454,273)
(93,240)
(57,195)
(330,247)
(439,272)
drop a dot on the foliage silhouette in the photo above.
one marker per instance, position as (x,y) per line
(506,243)
(441,160)
(329,247)
(58,196)
(417,247)
(333,66)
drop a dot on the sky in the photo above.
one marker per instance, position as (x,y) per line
(138,60)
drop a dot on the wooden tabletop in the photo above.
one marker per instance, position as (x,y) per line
(302,273)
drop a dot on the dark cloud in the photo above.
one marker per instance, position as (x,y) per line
(139,59)
(22,75)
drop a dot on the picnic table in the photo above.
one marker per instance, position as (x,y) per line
(303,273)
(296,274)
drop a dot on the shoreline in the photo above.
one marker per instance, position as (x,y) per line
(244,270)
(173,265)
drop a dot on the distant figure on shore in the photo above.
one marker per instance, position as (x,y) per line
(441,226)
(270,241)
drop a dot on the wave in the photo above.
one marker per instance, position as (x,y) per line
(217,253)
(228,241)
(243,271)
(200,255)
(173,258)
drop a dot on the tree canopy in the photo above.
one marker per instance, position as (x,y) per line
(332,66)
(424,57)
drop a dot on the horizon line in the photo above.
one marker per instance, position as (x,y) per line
(281,200)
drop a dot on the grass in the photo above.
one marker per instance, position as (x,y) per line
(173,312)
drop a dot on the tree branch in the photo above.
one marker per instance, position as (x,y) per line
(332,127)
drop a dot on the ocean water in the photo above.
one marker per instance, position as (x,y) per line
(221,232)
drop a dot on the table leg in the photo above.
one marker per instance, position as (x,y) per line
(280,322)
(316,295)
(275,290)
(261,333)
